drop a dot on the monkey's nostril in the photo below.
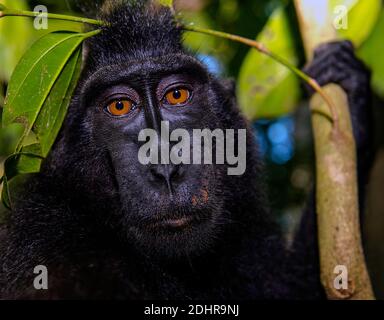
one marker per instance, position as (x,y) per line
(166,173)
(175,171)
(156,173)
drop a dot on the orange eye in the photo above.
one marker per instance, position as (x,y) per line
(177,96)
(120,108)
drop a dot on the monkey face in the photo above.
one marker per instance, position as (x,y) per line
(137,77)
(166,208)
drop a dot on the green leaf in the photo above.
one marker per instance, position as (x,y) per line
(26,162)
(2,7)
(54,110)
(369,52)
(361,20)
(267,89)
(5,196)
(38,96)
(166,3)
(9,137)
(14,39)
(29,160)
(35,76)
(58,25)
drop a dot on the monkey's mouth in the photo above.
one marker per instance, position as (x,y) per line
(176,232)
(179,223)
(176,224)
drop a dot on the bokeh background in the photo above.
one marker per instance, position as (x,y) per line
(271,97)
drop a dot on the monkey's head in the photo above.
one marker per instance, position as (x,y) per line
(136,76)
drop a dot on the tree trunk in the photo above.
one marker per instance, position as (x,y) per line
(336,173)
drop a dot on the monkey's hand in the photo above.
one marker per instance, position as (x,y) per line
(336,62)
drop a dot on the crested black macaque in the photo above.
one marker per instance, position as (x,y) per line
(106,226)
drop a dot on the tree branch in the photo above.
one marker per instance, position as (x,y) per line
(7,12)
(336,173)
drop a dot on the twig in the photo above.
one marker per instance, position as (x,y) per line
(7,12)
(262,49)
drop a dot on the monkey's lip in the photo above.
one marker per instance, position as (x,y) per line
(178,223)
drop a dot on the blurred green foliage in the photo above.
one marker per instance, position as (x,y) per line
(266,88)
(11,47)
(371,52)
(362,18)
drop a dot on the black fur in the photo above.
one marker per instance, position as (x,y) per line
(85,215)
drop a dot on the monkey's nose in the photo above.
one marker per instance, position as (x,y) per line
(167,173)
